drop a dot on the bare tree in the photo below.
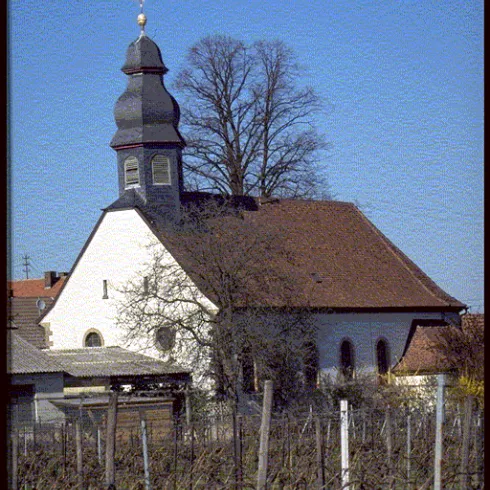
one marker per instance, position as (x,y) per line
(464,349)
(205,301)
(249,127)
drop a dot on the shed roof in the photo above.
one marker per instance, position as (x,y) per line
(24,358)
(110,361)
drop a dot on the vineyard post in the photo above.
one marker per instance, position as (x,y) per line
(264,436)
(479,449)
(389,445)
(14,445)
(409,449)
(320,452)
(344,443)
(79,450)
(465,449)
(144,442)
(110,450)
(439,421)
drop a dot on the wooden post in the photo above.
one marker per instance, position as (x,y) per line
(439,420)
(79,449)
(465,450)
(479,450)
(188,407)
(344,443)
(389,446)
(175,455)
(320,453)
(99,444)
(409,450)
(236,450)
(264,436)
(145,452)
(110,450)
(14,445)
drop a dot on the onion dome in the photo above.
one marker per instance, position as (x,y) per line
(146,112)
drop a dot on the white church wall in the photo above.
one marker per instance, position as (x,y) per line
(121,250)
(364,330)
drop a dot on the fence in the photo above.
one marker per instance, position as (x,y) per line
(388,448)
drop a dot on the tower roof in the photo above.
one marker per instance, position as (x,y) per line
(146,112)
(144,56)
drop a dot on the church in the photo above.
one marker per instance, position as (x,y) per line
(323,260)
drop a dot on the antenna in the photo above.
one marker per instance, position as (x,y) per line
(27,265)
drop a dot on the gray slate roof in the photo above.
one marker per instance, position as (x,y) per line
(24,358)
(110,361)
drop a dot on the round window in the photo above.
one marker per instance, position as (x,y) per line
(165,338)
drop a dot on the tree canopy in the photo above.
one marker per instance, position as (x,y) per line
(248,121)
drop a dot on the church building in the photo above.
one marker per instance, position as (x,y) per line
(364,297)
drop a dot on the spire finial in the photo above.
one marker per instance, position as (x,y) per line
(142,17)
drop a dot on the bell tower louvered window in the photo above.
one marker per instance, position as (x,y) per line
(131,173)
(161,170)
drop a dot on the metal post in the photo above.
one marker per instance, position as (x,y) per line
(145,453)
(344,443)
(439,421)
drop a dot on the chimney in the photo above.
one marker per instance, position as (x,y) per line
(49,279)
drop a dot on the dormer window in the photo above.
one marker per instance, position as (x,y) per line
(131,172)
(160,166)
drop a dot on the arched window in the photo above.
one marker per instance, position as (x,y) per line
(347,359)
(93,339)
(131,173)
(160,166)
(382,357)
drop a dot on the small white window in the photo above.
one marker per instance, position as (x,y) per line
(161,170)
(131,173)
(104,289)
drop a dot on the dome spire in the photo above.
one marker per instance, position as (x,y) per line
(142,18)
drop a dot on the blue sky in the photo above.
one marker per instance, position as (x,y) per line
(402,83)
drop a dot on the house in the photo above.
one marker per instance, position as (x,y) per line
(46,386)
(442,349)
(363,295)
(27,300)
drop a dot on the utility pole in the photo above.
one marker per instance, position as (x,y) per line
(27,265)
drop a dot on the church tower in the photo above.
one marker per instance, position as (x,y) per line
(147,140)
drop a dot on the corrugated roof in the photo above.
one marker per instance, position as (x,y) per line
(24,358)
(110,361)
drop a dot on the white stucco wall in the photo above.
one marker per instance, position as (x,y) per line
(364,330)
(120,250)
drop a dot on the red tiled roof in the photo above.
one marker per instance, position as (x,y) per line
(331,257)
(24,310)
(426,352)
(34,288)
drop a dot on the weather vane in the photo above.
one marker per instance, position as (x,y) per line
(142,17)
